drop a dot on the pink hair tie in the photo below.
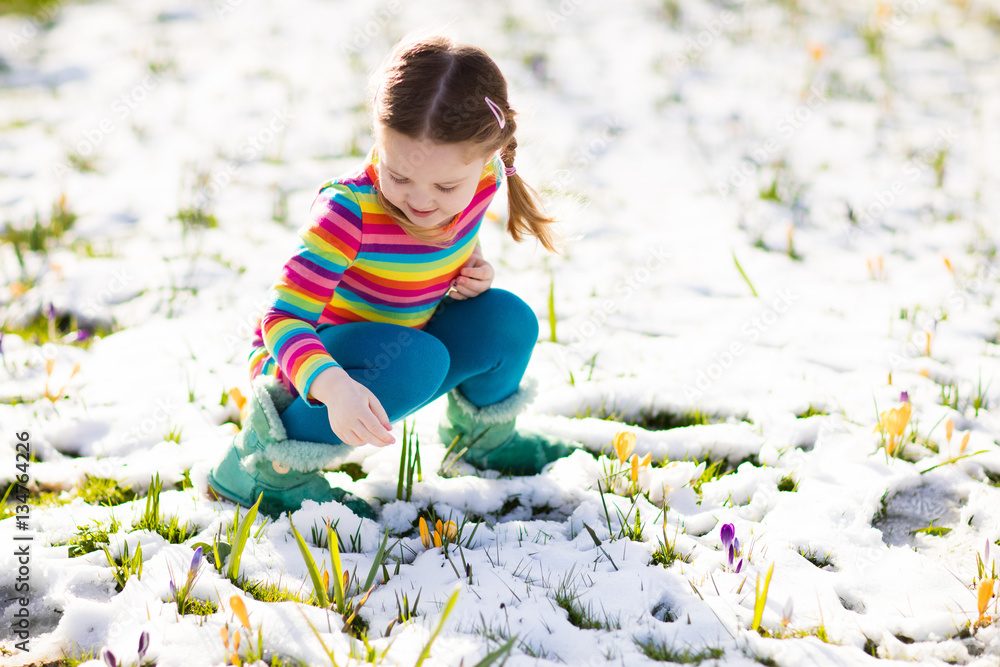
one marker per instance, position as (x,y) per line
(496,112)
(509,171)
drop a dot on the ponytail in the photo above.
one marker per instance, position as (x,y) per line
(524,214)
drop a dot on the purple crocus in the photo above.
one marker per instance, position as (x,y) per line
(173,590)
(904,397)
(109,658)
(728,535)
(196,561)
(143,643)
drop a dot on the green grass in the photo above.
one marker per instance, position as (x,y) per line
(169,528)
(104,491)
(583,617)
(666,555)
(90,538)
(788,484)
(196,218)
(198,607)
(266,591)
(819,560)
(660,651)
(650,419)
(354,470)
(40,329)
(37,8)
(714,469)
(811,411)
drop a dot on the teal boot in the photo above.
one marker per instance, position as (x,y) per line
(263,460)
(489,440)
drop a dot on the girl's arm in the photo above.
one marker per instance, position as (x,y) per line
(330,244)
(475,278)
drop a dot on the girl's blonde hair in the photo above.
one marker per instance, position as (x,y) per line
(435,89)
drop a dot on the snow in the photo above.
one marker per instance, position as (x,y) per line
(655,132)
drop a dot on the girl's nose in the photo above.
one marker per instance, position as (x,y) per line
(420,202)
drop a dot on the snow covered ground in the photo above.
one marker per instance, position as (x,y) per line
(840,155)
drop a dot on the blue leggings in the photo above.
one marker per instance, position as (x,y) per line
(480,345)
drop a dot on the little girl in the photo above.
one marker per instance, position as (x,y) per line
(387,304)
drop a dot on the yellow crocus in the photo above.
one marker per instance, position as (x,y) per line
(984,596)
(624,443)
(425,536)
(905,410)
(240,610)
(635,468)
(450,531)
(965,442)
(949,428)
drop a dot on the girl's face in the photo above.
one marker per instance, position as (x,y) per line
(430,182)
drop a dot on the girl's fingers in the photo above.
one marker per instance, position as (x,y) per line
(378,410)
(374,432)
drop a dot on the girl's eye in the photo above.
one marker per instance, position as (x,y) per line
(447,189)
(397,180)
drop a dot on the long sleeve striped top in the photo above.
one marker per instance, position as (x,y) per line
(355,264)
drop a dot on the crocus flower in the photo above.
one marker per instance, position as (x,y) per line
(904,397)
(984,596)
(143,644)
(728,533)
(786,613)
(109,658)
(425,536)
(240,610)
(193,569)
(624,443)
(450,531)
(949,428)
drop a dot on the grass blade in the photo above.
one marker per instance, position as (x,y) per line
(743,273)
(379,557)
(402,465)
(444,617)
(240,540)
(322,598)
(333,541)
(761,599)
(497,654)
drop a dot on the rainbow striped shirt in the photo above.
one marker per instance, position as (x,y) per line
(355,264)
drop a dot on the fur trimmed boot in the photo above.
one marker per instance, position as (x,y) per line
(263,460)
(489,439)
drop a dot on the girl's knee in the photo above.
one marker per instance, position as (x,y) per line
(513,314)
(412,356)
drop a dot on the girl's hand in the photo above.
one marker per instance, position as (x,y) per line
(474,279)
(355,414)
